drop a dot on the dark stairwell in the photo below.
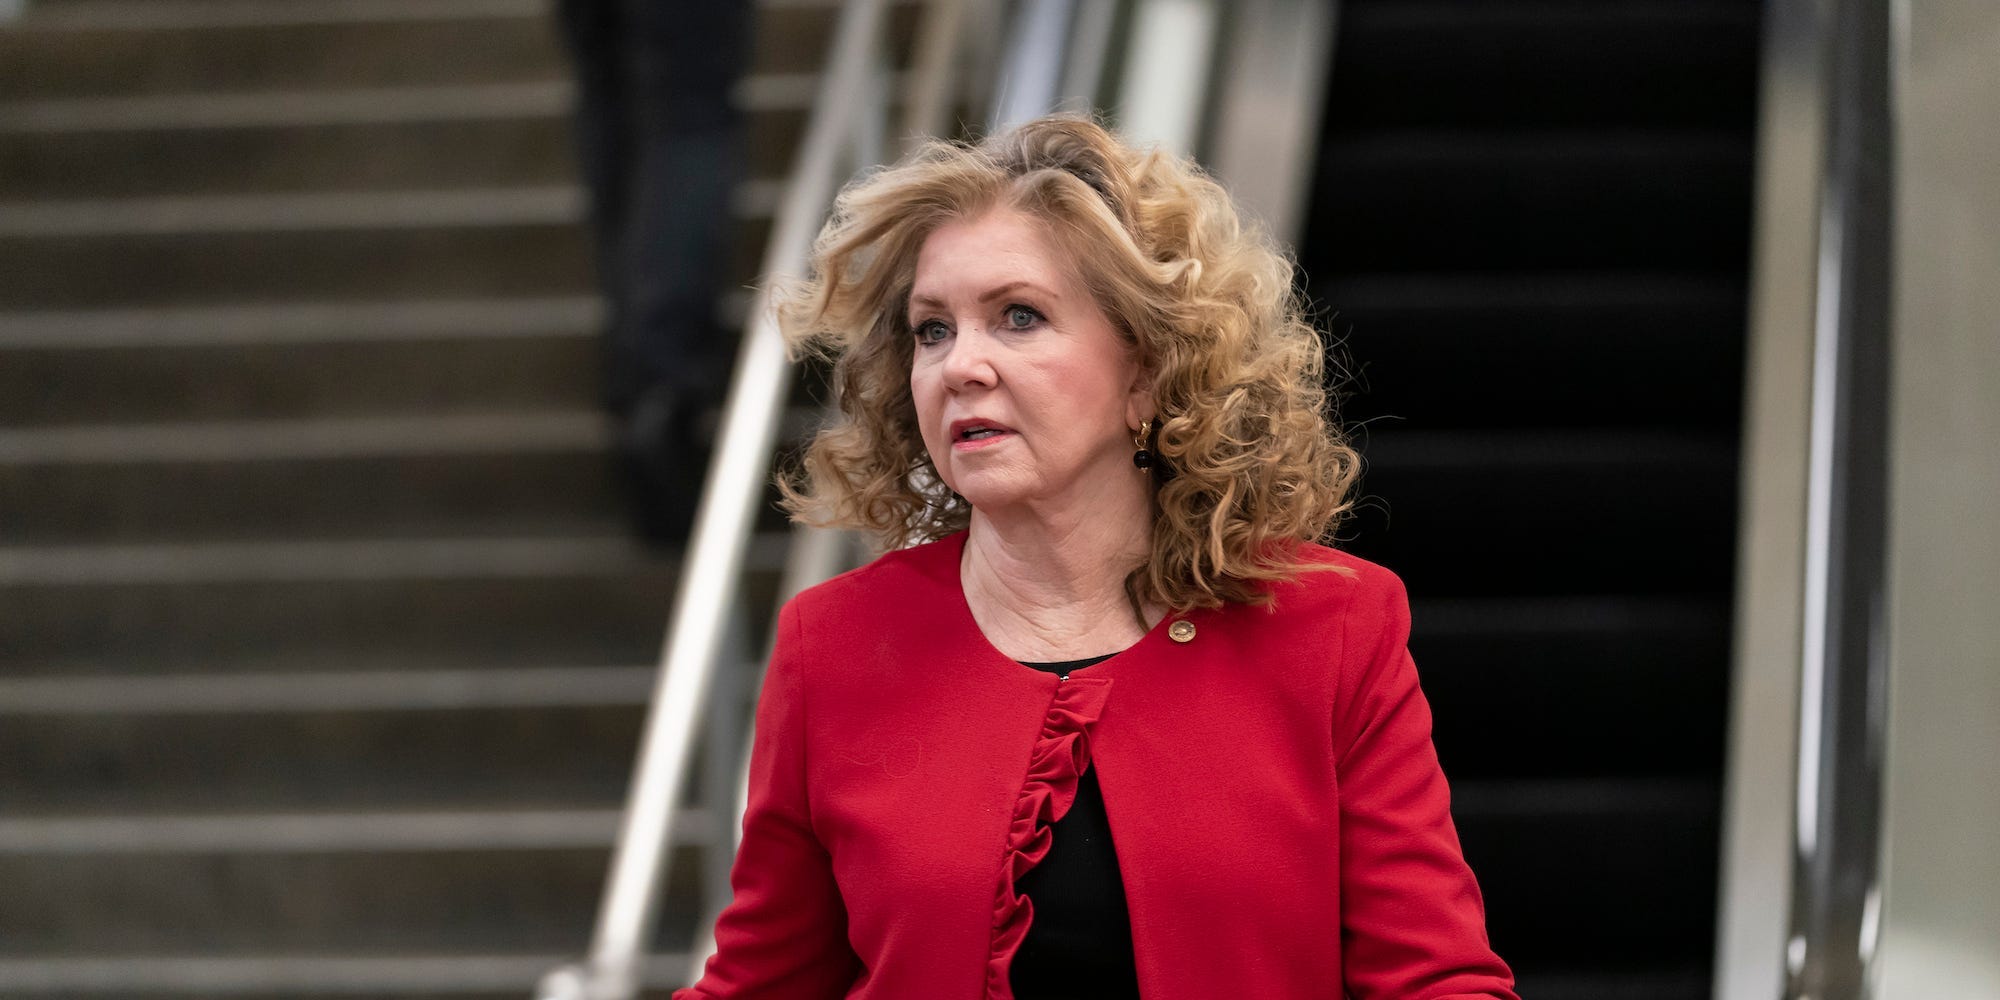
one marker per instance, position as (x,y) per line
(1530,232)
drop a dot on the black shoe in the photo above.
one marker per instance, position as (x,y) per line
(664,443)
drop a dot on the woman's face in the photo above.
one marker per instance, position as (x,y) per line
(1025,392)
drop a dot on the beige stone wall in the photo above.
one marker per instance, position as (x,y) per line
(1940,932)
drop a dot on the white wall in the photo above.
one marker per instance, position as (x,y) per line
(1941,871)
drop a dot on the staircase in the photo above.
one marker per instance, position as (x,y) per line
(323,649)
(1531,228)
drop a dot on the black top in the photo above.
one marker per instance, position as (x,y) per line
(1079,943)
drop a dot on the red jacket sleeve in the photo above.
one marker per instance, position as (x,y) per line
(1413,926)
(784,934)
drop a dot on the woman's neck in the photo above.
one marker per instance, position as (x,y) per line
(1053,589)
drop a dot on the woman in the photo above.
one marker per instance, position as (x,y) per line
(1117,726)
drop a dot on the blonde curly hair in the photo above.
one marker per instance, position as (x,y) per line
(1247,465)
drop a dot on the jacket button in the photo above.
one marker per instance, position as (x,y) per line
(1181,631)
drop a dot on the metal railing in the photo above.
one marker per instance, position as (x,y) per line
(1844,662)
(1799,907)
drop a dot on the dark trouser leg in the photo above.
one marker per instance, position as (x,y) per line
(660,146)
(683,62)
(593,31)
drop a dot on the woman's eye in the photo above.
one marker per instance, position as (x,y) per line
(1021,317)
(929,332)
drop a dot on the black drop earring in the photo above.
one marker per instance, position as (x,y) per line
(1142,458)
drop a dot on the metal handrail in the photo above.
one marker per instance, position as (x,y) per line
(1844,666)
(1799,906)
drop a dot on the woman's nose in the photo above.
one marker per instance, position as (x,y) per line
(968,359)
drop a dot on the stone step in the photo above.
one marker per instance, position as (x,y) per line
(269,157)
(318,606)
(286,380)
(408,245)
(478,476)
(445,899)
(279,689)
(1454,349)
(526,258)
(224,46)
(756,94)
(540,99)
(331,605)
(399,976)
(544,756)
(308,323)
(56,58)
(459,143)
(475,475)
(352,742)
(529,149)
(148,14)
(314,211)
(323,831)
(449,376)
(1531,513)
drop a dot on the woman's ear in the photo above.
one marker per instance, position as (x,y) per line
(1139,408)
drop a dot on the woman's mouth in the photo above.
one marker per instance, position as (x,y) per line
(970,435)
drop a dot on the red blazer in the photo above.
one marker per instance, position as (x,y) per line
(1281,824)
